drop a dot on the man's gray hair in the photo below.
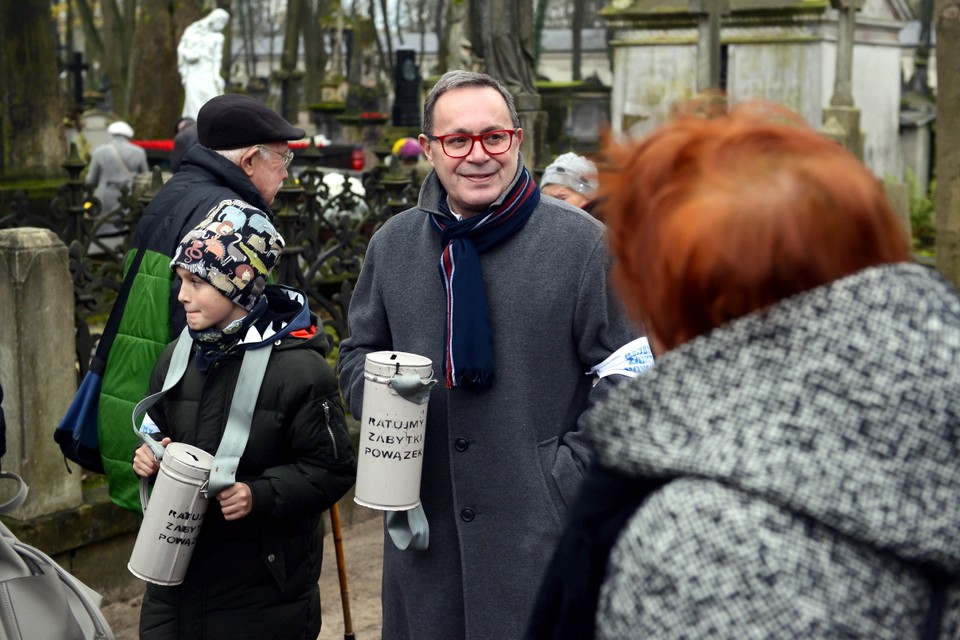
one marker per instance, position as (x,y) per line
(234,155)
(460,79)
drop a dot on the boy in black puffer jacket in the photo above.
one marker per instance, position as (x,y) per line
(254,571)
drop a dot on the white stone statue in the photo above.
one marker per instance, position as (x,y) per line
(199,56)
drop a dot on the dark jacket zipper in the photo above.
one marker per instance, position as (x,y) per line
(326,415)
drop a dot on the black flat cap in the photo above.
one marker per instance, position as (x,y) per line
(233,120)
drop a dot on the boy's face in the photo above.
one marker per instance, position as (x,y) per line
(206,307)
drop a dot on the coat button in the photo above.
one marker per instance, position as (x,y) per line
(461,444)
(467,515)
(271,558)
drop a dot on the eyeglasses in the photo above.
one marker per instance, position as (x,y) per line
(459,145)
(287,157)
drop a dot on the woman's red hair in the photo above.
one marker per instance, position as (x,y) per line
(713,218)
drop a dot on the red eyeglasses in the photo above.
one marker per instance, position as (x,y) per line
(459,145)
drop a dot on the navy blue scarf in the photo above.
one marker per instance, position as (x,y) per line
(468,336)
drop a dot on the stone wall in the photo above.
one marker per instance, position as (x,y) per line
(84,532)
(779,50)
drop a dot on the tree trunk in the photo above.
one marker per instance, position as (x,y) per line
(286,76)
(139,58)
(387,59)
(115,55)
(31,134)
(947,16)
(314,50)
(291,36)
(226,62)
(539,19)
(156,94)
(383,57)
(579,9)
(441,28)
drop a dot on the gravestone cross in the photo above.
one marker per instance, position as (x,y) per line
(76,67)
(841,120)
(919,81)
(846,24)
(708,49)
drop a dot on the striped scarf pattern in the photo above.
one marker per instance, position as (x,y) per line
(468,335)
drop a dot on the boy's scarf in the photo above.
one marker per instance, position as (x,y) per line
(213,343)
(468,336)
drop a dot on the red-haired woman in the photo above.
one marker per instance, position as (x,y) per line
(790,468)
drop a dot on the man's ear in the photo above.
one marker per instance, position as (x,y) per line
(247,160)
(425,147)
(519,135)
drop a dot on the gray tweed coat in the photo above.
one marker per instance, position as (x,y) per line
(814,451)
(113,165)
(499,465)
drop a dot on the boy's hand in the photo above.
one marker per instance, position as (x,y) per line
(145,464)
(236,501)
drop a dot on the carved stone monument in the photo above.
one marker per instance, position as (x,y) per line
(199,57)
(501,32)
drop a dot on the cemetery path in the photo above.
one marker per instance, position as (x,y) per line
(363,556)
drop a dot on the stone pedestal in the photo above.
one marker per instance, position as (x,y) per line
(916,142)
(577,114)
(91,538)
(843,125)
(898,195)
(533,121)
(325,120)
(38,373)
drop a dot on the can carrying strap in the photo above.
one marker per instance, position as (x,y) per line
(236,433)
(409,529)
(21,495)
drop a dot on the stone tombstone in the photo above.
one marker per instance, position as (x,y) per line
(916,141)
(93,127)
(38,374)
(533,121)
(779,50)
(406,90)
(577,113)
(362,99)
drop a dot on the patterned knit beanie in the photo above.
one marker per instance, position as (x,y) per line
(233,249)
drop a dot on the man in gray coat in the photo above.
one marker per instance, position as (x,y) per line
(517,316)
(114,165)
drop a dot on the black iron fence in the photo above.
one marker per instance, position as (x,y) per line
(326,218)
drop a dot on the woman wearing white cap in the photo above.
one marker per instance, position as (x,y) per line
(571,178)
(114,164)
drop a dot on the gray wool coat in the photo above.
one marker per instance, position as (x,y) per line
(500,465)
(813,465)
(113,165)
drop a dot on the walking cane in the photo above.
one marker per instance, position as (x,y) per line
(341,572)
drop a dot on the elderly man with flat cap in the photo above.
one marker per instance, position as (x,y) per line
(242,155)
